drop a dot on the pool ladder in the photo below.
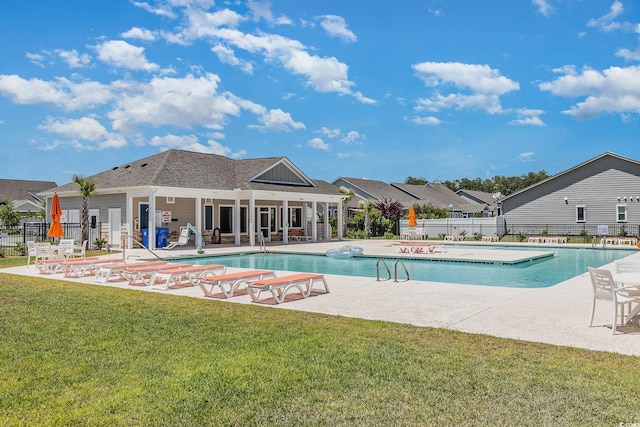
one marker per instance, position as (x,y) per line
(262,243)
(395,270)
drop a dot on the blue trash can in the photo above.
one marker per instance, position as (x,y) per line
(162,237)
(145,236)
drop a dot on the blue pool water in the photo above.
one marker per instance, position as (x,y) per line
(565,264)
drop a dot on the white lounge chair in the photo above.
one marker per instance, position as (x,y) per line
(79,251)
(232,280)
(280,286)
(183,276)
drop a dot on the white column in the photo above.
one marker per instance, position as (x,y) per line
(152,221)
(339,222)
(129,216)
(285,222)
(236,221)
(314,221)
(198,208)
(327,225)
(252,221)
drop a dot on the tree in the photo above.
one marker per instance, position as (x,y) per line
(348,193)
(8,216)
(416,181)
(366,205)
(390,209)
(86,190)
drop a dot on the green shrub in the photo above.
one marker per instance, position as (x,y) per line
(477,236)
(521,236)
(99,244)
(21,248)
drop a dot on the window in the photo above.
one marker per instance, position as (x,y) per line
(226,219)
(273,227)
(243,219)
(581,213)
(171,200)
(621,213)
(208,217)
(144,215)
(295,217)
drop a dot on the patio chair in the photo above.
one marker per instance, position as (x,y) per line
(182,240)
(606,289)
(44,251)
(79,251)
(232,280)
(298,235)
(31,251)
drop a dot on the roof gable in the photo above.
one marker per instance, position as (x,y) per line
(18,189)
(282,172)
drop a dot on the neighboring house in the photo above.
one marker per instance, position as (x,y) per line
(439,196)
(603,191)
(435,195)
(490,201)
(233,198)
(370,189)
(24,193)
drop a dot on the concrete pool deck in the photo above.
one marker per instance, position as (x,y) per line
(556,315)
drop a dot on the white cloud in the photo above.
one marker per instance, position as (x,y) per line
(336,26)
(614,90)
(544,7)
(482,84)
(324,74)
(528,116)
(173,101)
(436,12)
(607,22)
(278,120)
(139,34)
(478,78)
(318,144)
(36,58)
(526,157)
(119,53)
(429,120)
(83,133)
(629,55)
(192,143)
(343,155)
(160,11)
(262,10)
(61,92)
(352,136)
(329,133)
(227,56)
(73,58)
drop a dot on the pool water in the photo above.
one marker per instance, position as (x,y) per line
(565,264)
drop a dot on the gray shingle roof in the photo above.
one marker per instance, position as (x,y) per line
(437,195)
(17,189)
(188,169)
(379,190)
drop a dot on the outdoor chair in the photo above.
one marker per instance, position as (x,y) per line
(606,289)
(31,251)
(79,251)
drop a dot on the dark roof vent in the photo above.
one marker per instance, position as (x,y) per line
(114,168)
(127,167)
(143,165)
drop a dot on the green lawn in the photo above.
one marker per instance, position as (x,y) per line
(84,355)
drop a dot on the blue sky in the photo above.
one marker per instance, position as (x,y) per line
(383,90)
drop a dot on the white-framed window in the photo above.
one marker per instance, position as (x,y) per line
(244,219)
(581,213)
(621,213)
(171,200)
(295,217)
(208,217)
(274,219)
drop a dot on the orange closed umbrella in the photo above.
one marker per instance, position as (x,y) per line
(56,212)
(412,217)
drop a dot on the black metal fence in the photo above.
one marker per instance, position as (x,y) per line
(618,229)
(12,237)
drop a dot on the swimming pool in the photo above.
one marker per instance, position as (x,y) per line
(565,264)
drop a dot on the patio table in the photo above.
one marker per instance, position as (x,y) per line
(630,279)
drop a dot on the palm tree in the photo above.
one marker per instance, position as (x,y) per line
(86,190)
(348,193)
(366,206)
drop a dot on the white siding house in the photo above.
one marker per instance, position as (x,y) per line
(603,191)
